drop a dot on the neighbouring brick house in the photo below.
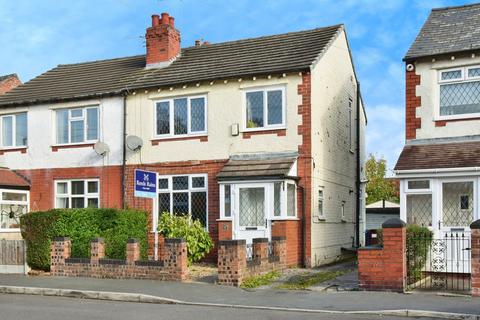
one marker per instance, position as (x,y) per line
(9,82)
(255,138)
(438,167)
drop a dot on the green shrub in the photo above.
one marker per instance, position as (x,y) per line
(81,226)
(198,240)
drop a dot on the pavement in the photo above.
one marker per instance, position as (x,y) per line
(40,308)
(201,294)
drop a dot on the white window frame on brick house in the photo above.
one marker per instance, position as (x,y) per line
(171,120)
(71,118)
(462,79)
(266,126)
(14,131)
(13,203)
(86,195)
(190,189)
(284,214)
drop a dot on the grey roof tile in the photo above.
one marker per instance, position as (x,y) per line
(448,30)
(255,169)
(295,51)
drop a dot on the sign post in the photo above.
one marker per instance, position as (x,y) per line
(145,186)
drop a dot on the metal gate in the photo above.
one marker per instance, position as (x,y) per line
(441,264)
(13,256)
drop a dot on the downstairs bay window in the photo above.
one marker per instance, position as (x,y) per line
(13,204)
(184,194)
(77,193)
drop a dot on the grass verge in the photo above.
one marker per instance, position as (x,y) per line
(260,280)
(305,280)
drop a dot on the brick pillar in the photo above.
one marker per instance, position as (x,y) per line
(224,230)
(97,250)
(133,251)
(385,268)
(475,259)
(279,248)
(60,250)
(260,251)
(232,262)
(175,258)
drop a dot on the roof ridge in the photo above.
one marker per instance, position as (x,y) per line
(267,36)
(456,7)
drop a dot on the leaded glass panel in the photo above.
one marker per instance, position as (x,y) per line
(252,207)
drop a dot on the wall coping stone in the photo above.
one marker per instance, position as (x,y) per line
(232,242)
(61,238)
(279,238)
(132,240)
(394,223)
(98,239)
(259,240)
(174,240)
(375,247)
(475,224)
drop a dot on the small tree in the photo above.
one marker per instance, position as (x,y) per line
(378,187)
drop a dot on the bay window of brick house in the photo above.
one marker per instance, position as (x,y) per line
(13,204)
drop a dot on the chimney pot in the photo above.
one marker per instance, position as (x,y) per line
(171,22)
(206,43)
(198,43)
(155,20)
(165,18)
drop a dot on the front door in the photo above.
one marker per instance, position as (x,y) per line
(250,212)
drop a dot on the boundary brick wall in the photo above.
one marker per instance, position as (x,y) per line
(173,265)
(385,268)
(233,267)
(475,258)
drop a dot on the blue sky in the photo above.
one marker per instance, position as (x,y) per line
(36,35)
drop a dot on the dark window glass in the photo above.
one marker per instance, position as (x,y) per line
(163,118)
(180,183)
(164,203)
(198,182)
(78,203)
(199,206)
(180,119)
(78,187)
(163,183)
(180,203)
(255,109)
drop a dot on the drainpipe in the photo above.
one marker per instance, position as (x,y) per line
(124,151)
(359,164)
(304,227)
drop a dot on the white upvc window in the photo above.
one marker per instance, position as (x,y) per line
(264,108)
(282,198)
(13,204)
(77,125)
(77,193)
(418,186)
(13,130)
(184,194)
(182,116)
(320,204)
(459,93)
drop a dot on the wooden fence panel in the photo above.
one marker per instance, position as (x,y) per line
(12,256)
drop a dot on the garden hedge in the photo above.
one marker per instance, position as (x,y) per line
(82,225)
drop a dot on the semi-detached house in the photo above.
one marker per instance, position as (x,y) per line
(259,137)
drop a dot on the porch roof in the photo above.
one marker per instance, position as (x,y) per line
(11,180)
(277,168)
(439,156)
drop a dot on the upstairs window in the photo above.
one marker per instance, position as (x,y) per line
(459,92)
(77,125)
(181,116)
(13,130)
(265,108)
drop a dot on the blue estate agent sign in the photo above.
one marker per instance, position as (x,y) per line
(145,184)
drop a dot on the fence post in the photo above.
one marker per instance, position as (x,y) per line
(175,257)
(97,250)
(60,250)
(232,262)
(133,251)
(475,258)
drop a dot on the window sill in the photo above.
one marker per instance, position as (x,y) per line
(225,219)
(442,122)
(157,141)
(279,132)
(55,148)
(284,218)
(13,149)
(13,230)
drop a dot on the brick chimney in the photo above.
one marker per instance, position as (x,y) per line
(163,41)
(9,82)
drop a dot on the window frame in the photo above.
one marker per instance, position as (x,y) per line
(266,126)
(421,191)
(190,189)
(171,107)
(14,202)
(320,213)
(464,78)
(14,130)
(71,119)
(69,196)
(351,119)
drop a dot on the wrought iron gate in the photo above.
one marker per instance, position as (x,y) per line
(439,263)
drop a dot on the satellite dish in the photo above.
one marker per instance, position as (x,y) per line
(101,148)
(134,143)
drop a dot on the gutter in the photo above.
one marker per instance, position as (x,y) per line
(358,180)
(440,170)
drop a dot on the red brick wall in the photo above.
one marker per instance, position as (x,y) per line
(305,168)
(292,231)
(475,259)
(384,269)
(412,102)
(225,230)
(42,191)
(9,84)
(209,167)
